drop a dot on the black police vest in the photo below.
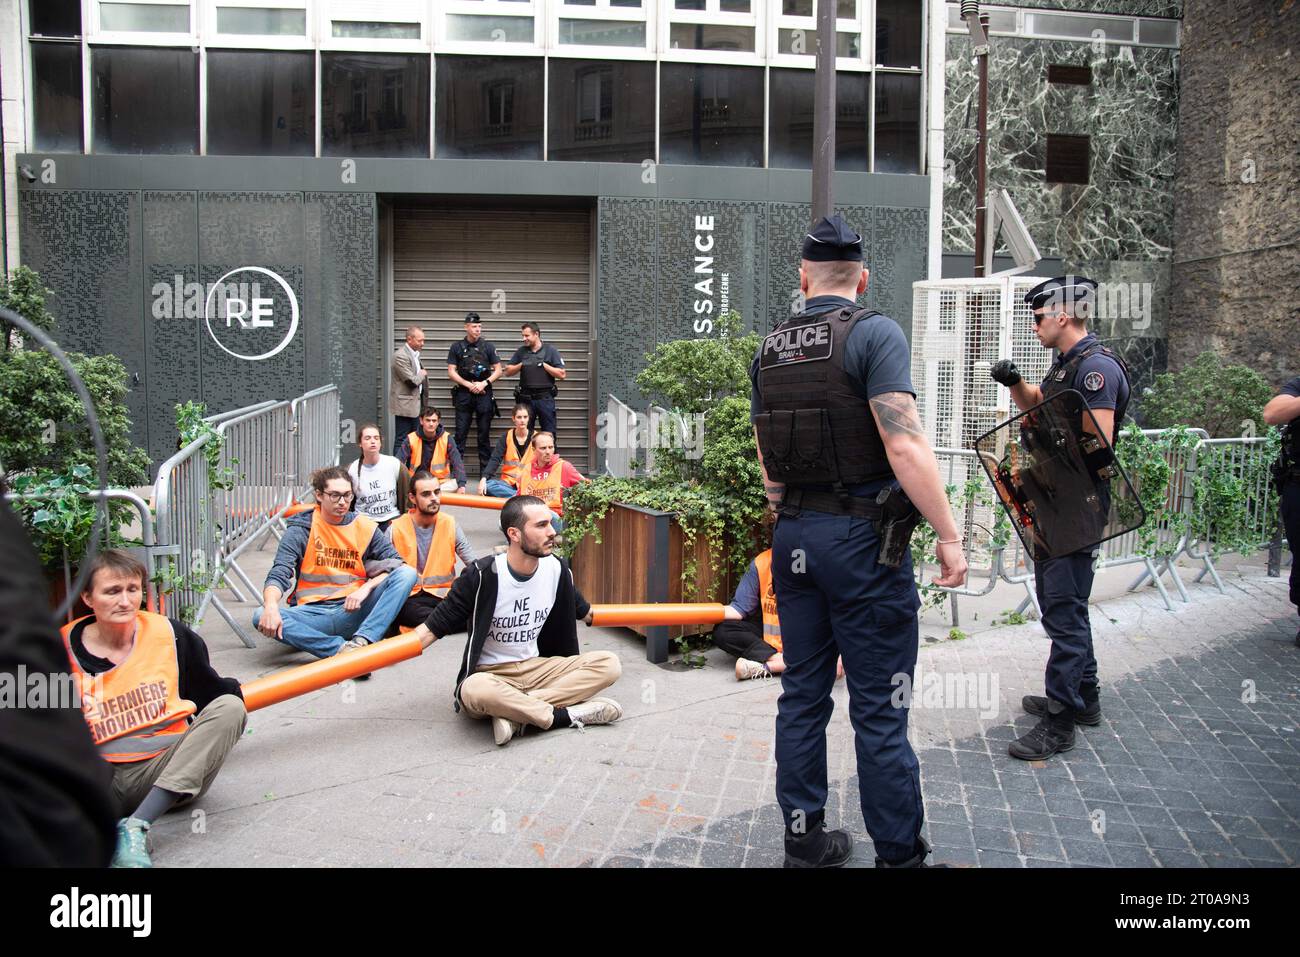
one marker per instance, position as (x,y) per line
(473,365)
(814,428)
(1062,377)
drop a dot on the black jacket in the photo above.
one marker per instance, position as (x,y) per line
(472,600)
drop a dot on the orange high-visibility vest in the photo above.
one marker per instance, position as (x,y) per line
(547,487)
(767,598)
(140,713)
(332,565)
(512,466)
(439,569)
(438,466)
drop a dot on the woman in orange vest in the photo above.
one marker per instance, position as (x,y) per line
(549,477)
(751,630)
(514,452)
(157,711)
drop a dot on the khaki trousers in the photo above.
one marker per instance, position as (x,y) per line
(190,765)
(530,691)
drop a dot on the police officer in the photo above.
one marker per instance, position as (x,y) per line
(1061,308)
(1284,410)
(472,366)
(836,424)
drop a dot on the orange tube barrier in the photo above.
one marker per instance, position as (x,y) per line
(472,501)
(701,613)
(291,682)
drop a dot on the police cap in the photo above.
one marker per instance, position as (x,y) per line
(831,239)
(471,317)
(1062,291)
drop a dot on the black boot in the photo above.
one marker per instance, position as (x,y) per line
(1053,733)
(916,860)
(818,848)
(1090,715)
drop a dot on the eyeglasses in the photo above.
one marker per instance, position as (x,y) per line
(338,496)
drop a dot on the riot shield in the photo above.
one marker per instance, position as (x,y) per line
(1062,487)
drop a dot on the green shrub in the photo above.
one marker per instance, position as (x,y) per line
(1209,395)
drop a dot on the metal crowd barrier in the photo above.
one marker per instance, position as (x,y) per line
(619,455)
(257,451)
(1239,455)
(269,451)
(1171,537)
(316,433)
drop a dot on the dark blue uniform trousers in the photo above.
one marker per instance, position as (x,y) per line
(1063,586)
(474,408)
(842,603)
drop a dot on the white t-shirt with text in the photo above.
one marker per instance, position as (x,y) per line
(377,487)
(521,611)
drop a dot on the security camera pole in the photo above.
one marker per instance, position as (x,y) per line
(824,112)
(978,24)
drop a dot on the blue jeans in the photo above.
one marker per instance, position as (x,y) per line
(322,627)
(501,489)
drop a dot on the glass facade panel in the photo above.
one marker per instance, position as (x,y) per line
(144,17)
(259,21)
(844,9)
(604,33)
(898,33)
(374,104)
(375,31)
(710,36)
(489,107)
(146,100)
(790,139)
(801,41)
(471,26)
(601,111)
(56,97)
(898,123)
(55,18)
(261,103)
(711,115)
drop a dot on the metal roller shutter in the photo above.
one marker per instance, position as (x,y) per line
(529,265)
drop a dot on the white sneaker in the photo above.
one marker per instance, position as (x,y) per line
(595,711)
(746,669)
(503,729)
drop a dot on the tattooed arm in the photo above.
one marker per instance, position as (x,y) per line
(914,464)
(775,490)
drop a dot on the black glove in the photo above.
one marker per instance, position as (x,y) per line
(1006,373)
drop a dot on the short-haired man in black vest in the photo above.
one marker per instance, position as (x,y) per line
(842,452)
(472,366)
(1061,309)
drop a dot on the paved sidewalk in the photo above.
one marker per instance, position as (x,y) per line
(1195,764)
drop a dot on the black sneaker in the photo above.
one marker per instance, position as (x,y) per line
(821,848)
(1090,715)
(916,860)
(1053,733)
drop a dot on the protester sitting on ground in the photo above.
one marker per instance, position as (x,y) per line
(549,477)
(431,449)
(429,541)
(350,581)
(522,666)
(158,712)
(514,452)
(751,630)
(380,480)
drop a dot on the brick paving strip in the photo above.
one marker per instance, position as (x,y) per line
(1194,764)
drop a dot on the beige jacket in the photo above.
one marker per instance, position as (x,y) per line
(406,393)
